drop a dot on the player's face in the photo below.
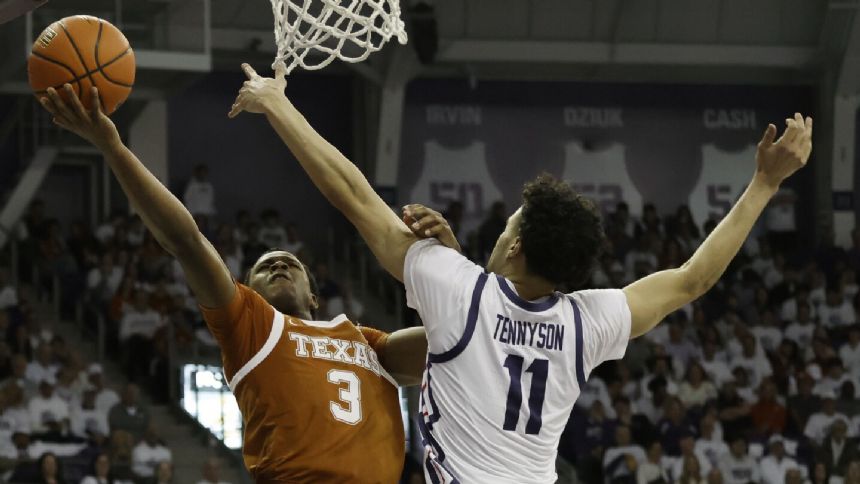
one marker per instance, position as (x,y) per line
(280,278)
(502,251)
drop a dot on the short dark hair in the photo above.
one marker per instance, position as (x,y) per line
(561,232)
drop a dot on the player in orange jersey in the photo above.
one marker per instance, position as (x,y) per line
(318,398)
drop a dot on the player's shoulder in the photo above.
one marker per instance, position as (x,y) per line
(592,298)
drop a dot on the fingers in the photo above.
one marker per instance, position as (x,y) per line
(249,71)
(60,110)
(77,107)
(235,110)
(97,102)
(791,131)
(280,71)
(424,225)
(768,137)
(238,105)
(418,211)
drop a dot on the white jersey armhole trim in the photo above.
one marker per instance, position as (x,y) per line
(271,342)
(387,376)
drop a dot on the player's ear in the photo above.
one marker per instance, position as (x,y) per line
(314,302)
(516,248)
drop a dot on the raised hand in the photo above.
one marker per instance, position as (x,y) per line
(776,161)
(93,126)
(258,92)
(426,222)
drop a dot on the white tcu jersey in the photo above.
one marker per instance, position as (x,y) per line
(601,176)
(724,177)
(457,174)
(502,373)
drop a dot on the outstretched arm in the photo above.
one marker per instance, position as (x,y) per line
(337,178)
(651,298)
(161,212)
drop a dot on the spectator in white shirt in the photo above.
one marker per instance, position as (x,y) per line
(689,470)
(272,234)
(836,312)
(767,332)
(788,311)
(833,377)
(105,397)
(801,329)
(738,467)
(653,469)
(754,360)
(621,460)
(148,453)
(199,197)
(680,467)
(849,353)
(775,465)
(104,280)
(695,390)
(48,412)
(775,274)
(714,364)
(136,332)
(661,366)
(678,347)
(86,420)
(819,423)
(652,407)
(710,446)
(44,366)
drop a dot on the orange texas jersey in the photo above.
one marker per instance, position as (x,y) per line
(316,404)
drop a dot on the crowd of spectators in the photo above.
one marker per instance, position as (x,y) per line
(60,420)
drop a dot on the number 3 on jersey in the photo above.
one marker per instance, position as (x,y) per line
(539,370)
(351,396)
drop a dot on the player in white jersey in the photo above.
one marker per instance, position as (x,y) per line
(508,353)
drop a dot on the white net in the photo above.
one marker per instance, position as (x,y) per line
(312,33)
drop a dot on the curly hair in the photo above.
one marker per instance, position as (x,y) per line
(561,231)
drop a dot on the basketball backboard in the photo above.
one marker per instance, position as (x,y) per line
(10,9)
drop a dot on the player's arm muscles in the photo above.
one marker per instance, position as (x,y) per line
(163,214)
(653,297)
(405,354)
(339,180)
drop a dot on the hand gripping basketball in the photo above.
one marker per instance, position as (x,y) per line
(259,93)
(94,126)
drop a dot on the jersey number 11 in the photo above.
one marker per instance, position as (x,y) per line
(539,370)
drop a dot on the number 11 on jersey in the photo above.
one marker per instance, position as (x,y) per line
(539,370)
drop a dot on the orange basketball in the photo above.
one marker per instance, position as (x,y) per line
(83,51)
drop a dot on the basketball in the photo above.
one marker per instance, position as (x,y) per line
(83,51)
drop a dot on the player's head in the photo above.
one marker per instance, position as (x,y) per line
(285,283)
(555,235)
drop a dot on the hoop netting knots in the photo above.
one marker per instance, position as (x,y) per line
(349,30)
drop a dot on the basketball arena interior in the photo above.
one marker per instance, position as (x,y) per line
(654,112)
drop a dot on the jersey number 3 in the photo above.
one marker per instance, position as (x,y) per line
(539,370)
(351,396)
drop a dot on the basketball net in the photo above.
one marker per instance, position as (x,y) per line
(349,30)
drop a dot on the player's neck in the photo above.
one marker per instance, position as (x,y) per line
(528,286)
